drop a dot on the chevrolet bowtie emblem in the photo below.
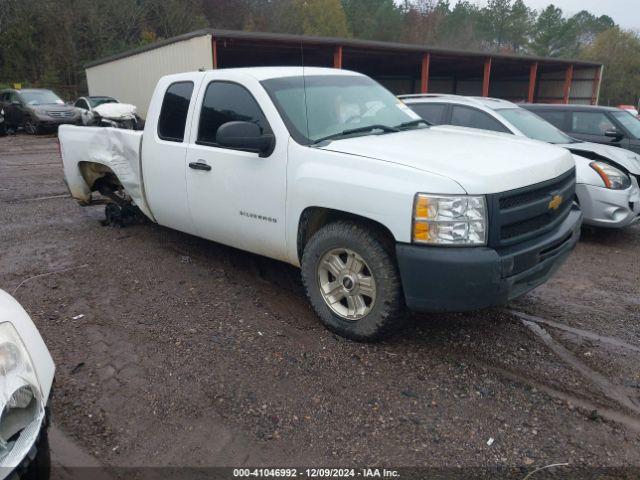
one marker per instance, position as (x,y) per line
(555,203)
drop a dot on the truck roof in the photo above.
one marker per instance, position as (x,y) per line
(267,73)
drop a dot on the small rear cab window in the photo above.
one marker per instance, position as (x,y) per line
(173,114)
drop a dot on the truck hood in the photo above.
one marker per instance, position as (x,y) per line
(480,162)
(627,159)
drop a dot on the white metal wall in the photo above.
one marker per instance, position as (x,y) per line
(133,79)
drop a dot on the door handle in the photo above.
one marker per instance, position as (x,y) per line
(200,165)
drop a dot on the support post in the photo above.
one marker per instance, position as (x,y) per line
(214,50)
(596,86)
(568,80)
(424,77)
(337,57)
(533,75)
(487,77)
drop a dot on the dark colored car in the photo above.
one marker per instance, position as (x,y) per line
(607,125)
(36,110)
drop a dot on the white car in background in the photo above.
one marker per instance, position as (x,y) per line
(26,377)
(105,111)
(607,177)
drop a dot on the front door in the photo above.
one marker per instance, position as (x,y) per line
(236,197)
(594,126)
(631,126)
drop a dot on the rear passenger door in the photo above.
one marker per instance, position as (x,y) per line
(164,152)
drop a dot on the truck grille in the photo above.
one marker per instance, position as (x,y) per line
(60,114)
(528,212)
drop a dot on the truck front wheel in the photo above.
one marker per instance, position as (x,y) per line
(352,281)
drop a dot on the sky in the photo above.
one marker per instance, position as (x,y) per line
(626,13)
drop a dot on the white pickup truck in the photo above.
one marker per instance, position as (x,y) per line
(328,171)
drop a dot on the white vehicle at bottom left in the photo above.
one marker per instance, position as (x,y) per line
(26,378)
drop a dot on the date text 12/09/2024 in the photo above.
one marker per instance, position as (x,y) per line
(315,473)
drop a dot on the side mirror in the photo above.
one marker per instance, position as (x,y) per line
(245,136)
(614,134)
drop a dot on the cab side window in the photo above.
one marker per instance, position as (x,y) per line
(173,115)
(227,102)
(591,123)
(431,112)
(473,118)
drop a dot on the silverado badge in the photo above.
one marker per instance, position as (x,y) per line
(555,203)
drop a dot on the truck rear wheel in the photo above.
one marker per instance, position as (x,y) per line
(352,281)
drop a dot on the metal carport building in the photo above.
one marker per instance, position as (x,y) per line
(403,68)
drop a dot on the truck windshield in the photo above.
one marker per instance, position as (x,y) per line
(40,97)
(337,106)
(533,126)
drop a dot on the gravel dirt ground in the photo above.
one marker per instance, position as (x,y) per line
(174,351)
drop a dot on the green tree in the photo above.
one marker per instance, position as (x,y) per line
(169,18)
(618,51)
(585,28)
(374,19)
(423,21)
(321,18)
(460,29)
(494,22)
(552,37)
(519,26)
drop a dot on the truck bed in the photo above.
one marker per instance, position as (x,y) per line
(87,150)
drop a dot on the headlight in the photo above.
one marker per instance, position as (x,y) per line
(14,358)
(21,402)
(612,177)
(459,220)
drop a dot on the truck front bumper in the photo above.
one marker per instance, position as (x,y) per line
(452,279)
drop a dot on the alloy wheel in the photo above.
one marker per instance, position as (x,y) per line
(346,283)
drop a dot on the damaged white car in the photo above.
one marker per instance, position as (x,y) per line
(26,377)
(607,177)
(101,111)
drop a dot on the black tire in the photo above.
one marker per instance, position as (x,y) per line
(39,468)
(386,315)
(31,126)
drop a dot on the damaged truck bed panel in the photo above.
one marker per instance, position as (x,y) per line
(91,154)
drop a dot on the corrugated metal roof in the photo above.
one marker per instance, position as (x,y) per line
(334,41)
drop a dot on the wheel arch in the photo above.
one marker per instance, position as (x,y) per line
(99,177)
(314,218)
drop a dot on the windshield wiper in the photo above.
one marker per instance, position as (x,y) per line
(414,123)
(368,128)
